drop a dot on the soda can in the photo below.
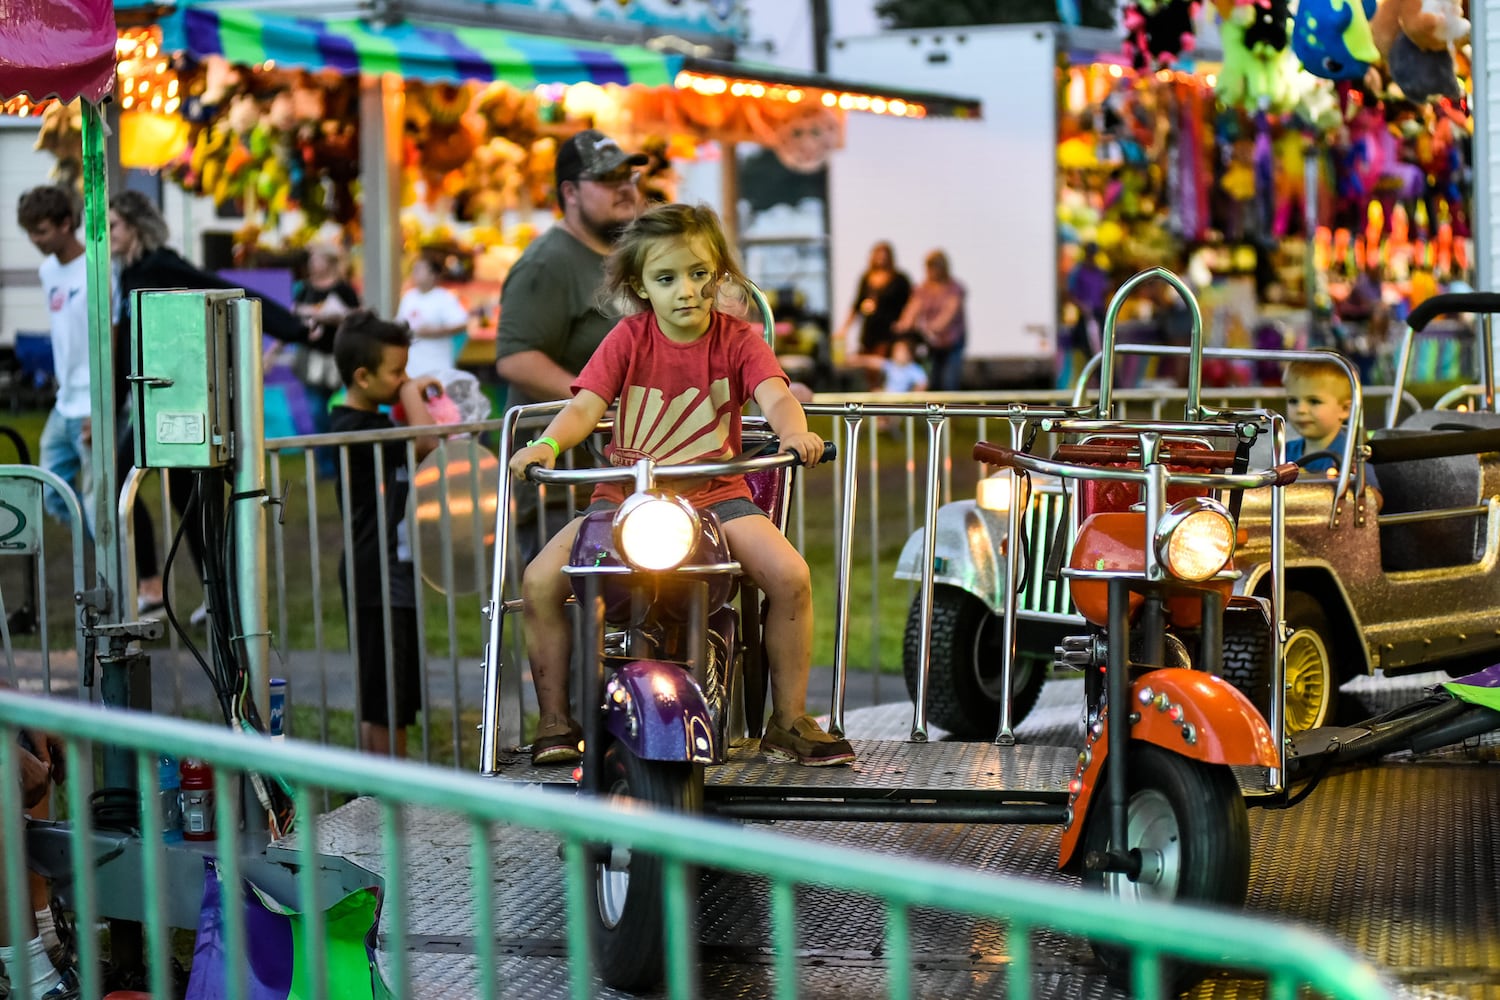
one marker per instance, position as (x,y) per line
(278,708)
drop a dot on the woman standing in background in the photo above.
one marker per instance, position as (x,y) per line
(883,292)
(936,312)
(322,299)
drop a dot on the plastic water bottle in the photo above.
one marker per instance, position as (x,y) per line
(197,800)
(277,724)
(169,791)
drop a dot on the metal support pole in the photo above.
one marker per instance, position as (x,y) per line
(247,502)
(849,460)
(591,650)
(103,405)
(125,682)
(729,192)
(1482,99)
(935,428)
(1311,163)
(1117,700)
(1006,736)
(382,104)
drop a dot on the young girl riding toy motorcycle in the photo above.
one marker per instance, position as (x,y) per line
(680,371)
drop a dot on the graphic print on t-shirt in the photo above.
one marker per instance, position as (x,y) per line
(694,427)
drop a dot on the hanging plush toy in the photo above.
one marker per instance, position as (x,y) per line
(1259,70)
(1332,38)
(1417,37)
(1267,28)
(1422,75)
(61,135)
(1159,32)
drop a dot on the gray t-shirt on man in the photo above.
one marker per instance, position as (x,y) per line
(548,304)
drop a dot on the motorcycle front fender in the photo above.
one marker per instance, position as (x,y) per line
(966,552)
(658,712)
(1189,712)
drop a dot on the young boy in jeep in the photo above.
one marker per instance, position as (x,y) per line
(1318,398)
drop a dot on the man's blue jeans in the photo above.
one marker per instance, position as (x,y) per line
(65,452)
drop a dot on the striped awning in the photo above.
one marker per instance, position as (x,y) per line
(411,49)
(57,48)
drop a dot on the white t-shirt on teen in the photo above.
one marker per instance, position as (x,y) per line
(66,287)
(438,307)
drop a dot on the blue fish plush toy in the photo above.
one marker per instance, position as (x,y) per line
(1332,38)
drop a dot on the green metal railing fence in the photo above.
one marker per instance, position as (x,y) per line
(1290,958)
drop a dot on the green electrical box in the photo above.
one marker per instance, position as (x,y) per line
(179,375)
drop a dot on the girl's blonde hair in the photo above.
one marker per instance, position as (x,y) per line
(627,262)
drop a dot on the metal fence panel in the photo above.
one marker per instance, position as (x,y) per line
(1289,956)
(895,437)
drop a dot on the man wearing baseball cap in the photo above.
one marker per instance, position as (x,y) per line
(550,322)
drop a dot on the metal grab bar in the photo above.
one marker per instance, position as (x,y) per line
(1193,409)
(1279,475)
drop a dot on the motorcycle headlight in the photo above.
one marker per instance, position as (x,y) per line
(1195,539)
(999,491)
(655,531)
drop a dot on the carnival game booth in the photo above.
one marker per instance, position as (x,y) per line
(1316,172)
(286,131)
(1285,190)
(340,124)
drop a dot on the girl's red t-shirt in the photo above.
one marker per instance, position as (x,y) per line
(678,403)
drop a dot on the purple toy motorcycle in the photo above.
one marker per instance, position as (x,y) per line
(664,653)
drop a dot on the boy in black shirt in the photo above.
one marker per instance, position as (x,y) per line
(371,357)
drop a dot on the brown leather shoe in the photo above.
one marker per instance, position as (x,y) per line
(805,743)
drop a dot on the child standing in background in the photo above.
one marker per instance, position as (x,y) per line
(371,355)
(435,317)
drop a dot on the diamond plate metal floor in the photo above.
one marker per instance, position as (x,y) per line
(1401,862)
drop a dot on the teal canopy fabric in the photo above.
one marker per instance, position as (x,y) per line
(411,49)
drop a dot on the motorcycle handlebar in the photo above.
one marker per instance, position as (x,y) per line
(1094,454)
(737,466)
(1002,457)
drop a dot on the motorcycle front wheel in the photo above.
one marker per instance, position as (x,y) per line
(627,898)
(1188,821)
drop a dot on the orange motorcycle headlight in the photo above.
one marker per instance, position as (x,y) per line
(1195,539)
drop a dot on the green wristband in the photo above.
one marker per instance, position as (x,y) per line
(549,442)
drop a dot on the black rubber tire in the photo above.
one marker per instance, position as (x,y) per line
(628,932)
(963,688)
(1309,626)
(1248,658)
(1190,808)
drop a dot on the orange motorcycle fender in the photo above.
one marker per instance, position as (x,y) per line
(1198,715)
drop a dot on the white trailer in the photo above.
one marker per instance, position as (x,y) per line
(984,191)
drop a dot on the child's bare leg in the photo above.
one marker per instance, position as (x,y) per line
(376,739)
(549,640)
(782,575)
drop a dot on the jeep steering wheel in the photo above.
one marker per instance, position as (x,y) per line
(1317,456)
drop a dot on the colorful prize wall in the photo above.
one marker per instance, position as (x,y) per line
(1326,152)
